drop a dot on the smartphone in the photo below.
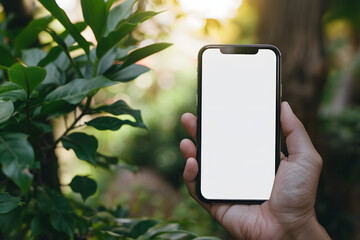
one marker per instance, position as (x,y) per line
(238,133)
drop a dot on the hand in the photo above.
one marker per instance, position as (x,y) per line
(289,214)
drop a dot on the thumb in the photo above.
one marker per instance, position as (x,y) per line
(297,139)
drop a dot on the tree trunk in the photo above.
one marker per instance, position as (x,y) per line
(295,27)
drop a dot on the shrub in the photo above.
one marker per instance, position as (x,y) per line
(53,80)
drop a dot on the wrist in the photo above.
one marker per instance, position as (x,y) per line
(310,229)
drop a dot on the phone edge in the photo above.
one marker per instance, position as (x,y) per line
(198,107)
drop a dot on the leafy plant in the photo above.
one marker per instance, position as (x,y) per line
(50,81)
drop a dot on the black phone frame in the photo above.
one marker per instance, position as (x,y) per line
(236,49)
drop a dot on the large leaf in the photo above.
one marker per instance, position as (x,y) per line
(119,13)
(142,227)
(17,157)
(144,52)
(8,202)
(8,87)
(109,3)
(27,77)
(55,52)
(6,58)
(56,108)
(84,146)
(40,225)
(14,95)
(32,56)
(52,55)
(60,14)
(11,91)
(95,14)
(83,185)
(64,47)
(111,123)
(30,33)
(108,42)
(53,203)
(7,109)
(119,74)
(54,76)
(121,108)
(76,90)
(206,238)
(10,222)
(140,17)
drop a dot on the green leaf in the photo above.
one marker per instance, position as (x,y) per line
(53,203)
(109,3)
(82,226)
(56,108)
(8,202)
(121,108)
(111,123)
(108,42)
(142,227)
(54,76)
(17,157)
(144,52)
(57,39)
(13,95)
(64,47)
(32,56)
(95,14)
(8,87)
(27,77)
(119,74)
(119,13)
(30,33)
(76,90)
(140,17)
(206,238)
(58,13)
(6,58)
(49,201)
(84,146)
(7,109)
(40,225)
(176,234)
(83,185)
(52,55)
(63,223)
(10,222)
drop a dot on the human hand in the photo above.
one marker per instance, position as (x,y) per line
(289,213)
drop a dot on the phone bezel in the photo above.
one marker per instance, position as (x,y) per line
(239,49)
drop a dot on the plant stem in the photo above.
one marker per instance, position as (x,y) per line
(27,105)
(95,67)
(86,108)
(73,63)
(27,111)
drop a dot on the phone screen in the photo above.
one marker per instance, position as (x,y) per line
(238,122)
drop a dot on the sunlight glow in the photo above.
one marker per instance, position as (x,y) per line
(211,8)
(67,5)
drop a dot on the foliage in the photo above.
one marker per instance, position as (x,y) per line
(343,166)
(52,80)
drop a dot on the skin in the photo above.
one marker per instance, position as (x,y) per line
(289,214)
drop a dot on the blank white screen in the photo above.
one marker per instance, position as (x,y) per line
(238,125)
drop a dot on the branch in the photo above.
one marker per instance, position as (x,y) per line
(84,112)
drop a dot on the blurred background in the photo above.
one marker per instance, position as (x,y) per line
(320,45)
